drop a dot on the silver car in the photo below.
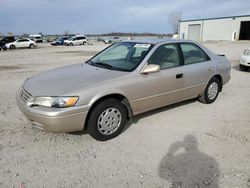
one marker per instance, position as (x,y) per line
(125,79)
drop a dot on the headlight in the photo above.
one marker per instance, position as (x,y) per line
(55,102)
(247,52)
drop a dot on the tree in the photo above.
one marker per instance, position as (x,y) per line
(173,19)
(66,33)
(25,35)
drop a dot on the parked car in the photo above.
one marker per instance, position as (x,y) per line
(245,60)
(126,79)
(21,43)
(59,41)
(112,40)
(36,37)
(76,40)
(6,40)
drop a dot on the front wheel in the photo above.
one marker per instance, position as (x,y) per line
(107,119)
(211,92)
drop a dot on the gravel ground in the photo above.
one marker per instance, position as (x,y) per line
(161,148)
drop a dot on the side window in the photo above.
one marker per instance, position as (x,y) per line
(193,54)
(167,56)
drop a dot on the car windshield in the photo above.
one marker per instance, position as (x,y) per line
(60,38)
(122,56)
(247,52)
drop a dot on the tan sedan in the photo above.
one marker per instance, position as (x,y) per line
(125,79)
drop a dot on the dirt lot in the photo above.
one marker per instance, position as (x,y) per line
(167,145)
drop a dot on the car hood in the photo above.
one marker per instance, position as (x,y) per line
(59,82)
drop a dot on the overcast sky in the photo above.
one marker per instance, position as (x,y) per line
(102,16)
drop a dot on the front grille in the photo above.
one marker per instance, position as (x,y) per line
(24,95)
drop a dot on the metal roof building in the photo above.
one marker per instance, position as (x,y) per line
(223,28)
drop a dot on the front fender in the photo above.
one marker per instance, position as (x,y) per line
(105,93)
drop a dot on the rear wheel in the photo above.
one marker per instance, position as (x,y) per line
(12,47)
(107,119)
(32,46)
(211,92)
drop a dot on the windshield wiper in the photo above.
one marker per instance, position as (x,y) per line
(104,65)
(90,62)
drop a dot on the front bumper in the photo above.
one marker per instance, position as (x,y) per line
(54,119)
(245,60)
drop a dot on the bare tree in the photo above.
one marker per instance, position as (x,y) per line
(173,19)
(66,33)
(25,35)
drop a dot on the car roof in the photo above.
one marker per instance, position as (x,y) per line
(158,40)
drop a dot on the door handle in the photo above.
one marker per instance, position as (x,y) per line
(179,75)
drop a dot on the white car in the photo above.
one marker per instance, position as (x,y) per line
(112,40)
(21,43)
(245,60)
(76,40)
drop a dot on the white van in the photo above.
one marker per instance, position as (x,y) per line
(76,40)
(36,37)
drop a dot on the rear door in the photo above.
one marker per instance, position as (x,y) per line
(19,43)
(197,69)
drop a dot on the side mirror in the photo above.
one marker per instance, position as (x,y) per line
(151,68)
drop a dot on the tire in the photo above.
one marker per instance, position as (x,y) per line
(32,46)
(212,91)
(12,47)
(243,68)
(107,119)
(70,44)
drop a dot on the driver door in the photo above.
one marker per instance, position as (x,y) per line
(163,87)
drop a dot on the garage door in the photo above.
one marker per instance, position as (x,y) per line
(194,32)
(245,30)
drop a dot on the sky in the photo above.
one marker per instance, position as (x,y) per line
(103,16)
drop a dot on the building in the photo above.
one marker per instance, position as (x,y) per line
(223,28)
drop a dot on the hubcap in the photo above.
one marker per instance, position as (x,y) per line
(109,121)
(213,90)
